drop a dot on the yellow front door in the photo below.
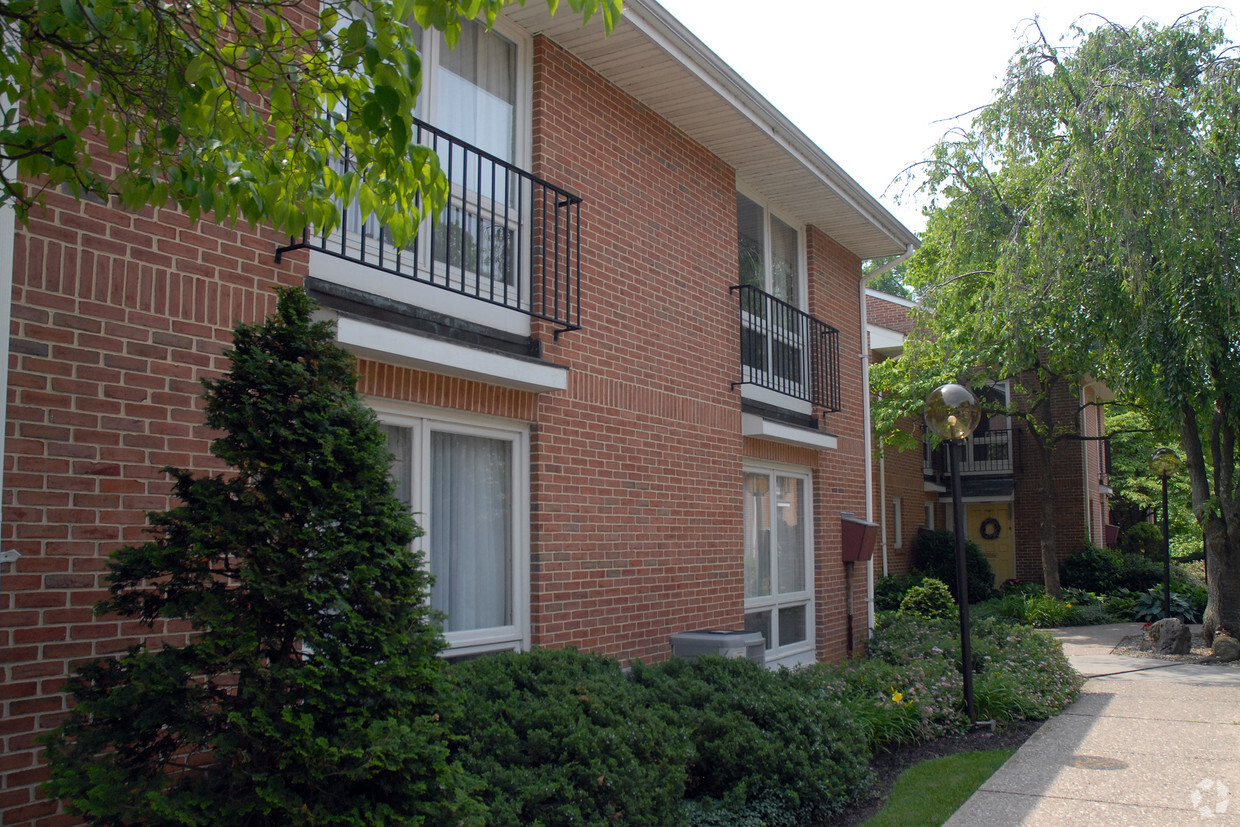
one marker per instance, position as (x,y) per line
(990,526)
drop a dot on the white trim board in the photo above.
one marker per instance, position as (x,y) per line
(400,347)
(760,428)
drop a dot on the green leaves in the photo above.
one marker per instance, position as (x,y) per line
(171,92)
(1098,197)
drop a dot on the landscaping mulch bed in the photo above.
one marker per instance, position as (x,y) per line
(887,765)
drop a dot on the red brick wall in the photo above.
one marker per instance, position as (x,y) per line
(840,482)
(905,480)
(635,468)
(116,318)
(889,314)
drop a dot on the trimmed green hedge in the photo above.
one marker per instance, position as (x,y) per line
(765,752)
(559,737)
(555,737)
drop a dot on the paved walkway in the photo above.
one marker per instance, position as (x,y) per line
(1148,742)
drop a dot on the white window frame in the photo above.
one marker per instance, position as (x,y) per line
(423,421)
(801,652)
(769,208)
(387,285)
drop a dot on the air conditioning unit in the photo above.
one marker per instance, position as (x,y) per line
(729,644)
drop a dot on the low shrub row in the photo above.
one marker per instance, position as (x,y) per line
(557,737)
(1099,586)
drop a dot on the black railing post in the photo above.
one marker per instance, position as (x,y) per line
(785,349)
(536,254)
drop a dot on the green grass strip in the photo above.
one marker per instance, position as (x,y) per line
(928,793)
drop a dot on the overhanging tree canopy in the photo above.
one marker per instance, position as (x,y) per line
(236,108)
(1124,149)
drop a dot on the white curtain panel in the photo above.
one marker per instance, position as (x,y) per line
(470,530)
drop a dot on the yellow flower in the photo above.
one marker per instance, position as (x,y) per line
(897,697)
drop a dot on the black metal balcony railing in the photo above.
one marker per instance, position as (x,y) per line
(787,350)
(506,237)
(993,452)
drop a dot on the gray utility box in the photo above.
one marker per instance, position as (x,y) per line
(720,642)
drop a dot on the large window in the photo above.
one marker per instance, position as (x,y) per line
(466,484)
(471,92)
(778,554)
(769,258)
(769,251)
(478,96)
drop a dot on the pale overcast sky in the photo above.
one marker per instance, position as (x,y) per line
(876,84)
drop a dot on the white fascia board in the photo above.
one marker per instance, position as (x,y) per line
(760,428)
(887,297)
(885,341)
(400,347)
(671,35)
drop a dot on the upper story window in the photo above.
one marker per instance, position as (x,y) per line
(504,248)
(472,91)
(769,251)
(788,358)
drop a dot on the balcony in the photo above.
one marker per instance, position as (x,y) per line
(506,237)
(990,453)
(786,350)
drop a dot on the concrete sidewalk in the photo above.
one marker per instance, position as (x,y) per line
(1148,742)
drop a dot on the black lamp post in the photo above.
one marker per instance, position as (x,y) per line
(1163,464)
(952,413)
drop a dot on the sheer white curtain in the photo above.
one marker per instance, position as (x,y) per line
(790,519)
(476,98)
(470,530)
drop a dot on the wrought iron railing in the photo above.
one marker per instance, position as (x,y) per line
(506,237)
(787,350)
(993,452)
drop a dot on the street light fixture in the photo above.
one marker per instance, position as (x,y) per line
(952,413)
(1163,464)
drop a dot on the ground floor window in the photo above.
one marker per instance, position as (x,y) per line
(778,559)
(466,482)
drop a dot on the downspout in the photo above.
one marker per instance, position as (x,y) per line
(8,232)
(868,427)
(882,503)
(1083,426)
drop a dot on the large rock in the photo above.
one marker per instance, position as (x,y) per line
(1170,636)
(1226,648)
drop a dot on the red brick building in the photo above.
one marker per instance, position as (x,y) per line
(1000,475)
(623,377)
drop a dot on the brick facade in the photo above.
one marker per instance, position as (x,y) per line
(635,469)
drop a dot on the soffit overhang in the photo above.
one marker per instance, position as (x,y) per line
(654,58)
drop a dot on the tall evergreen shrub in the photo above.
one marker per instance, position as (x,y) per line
(934,553)
(309,691)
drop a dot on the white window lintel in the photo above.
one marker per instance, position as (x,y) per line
(408,349)
(762,428)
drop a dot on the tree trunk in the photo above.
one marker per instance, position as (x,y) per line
(1045,435)
(1050,547)
(1223,580)
(1218,512)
